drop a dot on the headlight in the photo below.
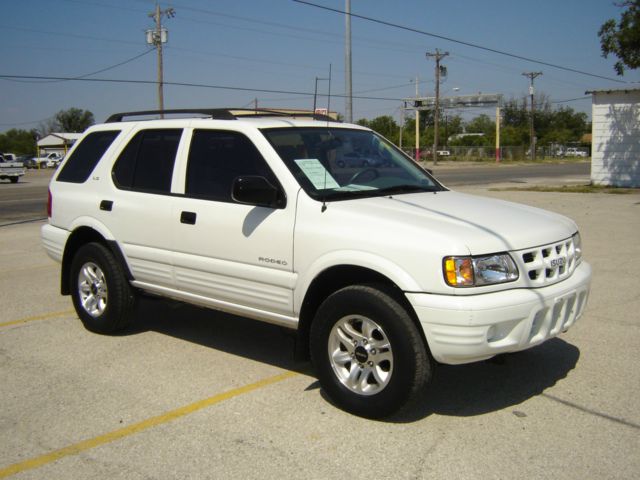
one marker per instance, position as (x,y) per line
(479,271)
(577,246)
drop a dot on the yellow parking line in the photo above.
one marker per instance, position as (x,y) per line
(46,316)
(138,427)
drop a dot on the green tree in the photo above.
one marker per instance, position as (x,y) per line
(385,125)
(47,126)
(566,126)
(514,113)
(514,136)
(481,124)
(74,120)
(623,39)
(20,142)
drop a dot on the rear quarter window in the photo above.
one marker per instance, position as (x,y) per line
(86,156)
(146,163)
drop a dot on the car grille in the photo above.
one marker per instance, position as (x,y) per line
(547,264)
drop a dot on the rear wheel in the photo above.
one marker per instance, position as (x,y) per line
(101,293)
(368,352)
(14,179)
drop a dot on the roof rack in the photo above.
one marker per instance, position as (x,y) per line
(224,113)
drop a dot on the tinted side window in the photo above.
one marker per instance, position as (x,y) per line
(147,161)
(86,156)
(216,158)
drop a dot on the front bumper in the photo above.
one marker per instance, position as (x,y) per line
(464,329)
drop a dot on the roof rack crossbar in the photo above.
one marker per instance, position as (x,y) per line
(222,113)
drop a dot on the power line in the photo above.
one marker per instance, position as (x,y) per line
(111,67)
(220,87)
(461,42)
(24,123)
(66,34)
(572,99)
(186,84)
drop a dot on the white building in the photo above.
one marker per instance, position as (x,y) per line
(615,147)
(57,143)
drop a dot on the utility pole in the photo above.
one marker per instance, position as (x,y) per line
(417,125)
(532,133)
(404,105)
(498,134)
(157,37)
(348,108)
(438,56)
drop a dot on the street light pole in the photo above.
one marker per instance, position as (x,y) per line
(348,111)
(417,152)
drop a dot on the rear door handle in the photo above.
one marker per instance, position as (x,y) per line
(188,217)
(106,205)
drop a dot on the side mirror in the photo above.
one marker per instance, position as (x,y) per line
(258,191)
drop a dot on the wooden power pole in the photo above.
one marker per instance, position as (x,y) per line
(437,56)
(532,133)
(157,37)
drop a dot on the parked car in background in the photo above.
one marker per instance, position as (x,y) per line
(13,158)
(30,162)
(575,152)
(51,160)
(23,159)
(10,170)
(54,162)
(429,153)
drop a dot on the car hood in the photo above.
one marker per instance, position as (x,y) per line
(481,224)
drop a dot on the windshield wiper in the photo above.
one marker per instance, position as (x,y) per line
(393,190)
(396,189)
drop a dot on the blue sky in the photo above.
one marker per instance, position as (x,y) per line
(282,45)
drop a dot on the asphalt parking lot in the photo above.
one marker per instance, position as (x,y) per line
(190,393)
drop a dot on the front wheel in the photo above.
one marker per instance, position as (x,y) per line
(101,293)
(369,355)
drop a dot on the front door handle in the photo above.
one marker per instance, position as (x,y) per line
(188,217)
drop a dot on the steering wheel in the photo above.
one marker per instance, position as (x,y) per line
(361,173)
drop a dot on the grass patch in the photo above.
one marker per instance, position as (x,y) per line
(569,189)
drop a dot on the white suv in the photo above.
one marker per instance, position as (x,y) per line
(381,270)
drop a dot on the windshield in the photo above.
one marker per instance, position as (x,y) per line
(339,163)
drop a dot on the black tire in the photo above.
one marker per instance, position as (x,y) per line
(387,378)
(14,179)
(98,279)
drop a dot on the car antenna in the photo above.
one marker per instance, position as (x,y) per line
(324,198)
(329,99)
